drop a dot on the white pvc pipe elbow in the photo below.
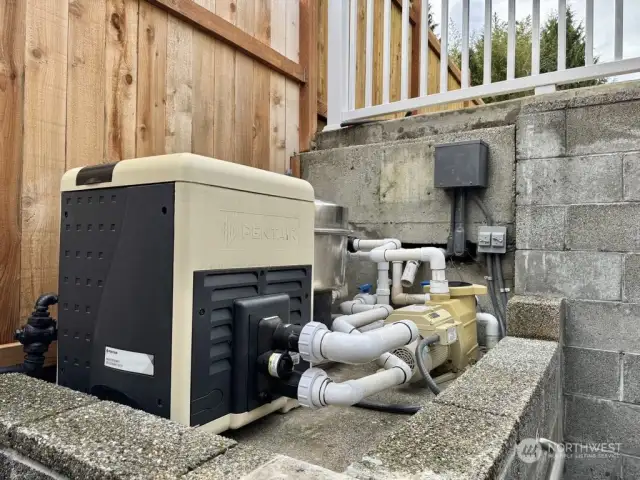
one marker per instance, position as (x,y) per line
(317,344)
(491,328)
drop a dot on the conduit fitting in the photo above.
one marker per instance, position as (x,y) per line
(409,274)
(318,344)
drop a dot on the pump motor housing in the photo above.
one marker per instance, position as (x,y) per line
(168,264)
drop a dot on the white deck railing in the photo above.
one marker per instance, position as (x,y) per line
(342,54)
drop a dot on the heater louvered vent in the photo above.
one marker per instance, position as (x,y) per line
(214,293)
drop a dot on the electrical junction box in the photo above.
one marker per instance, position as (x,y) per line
(461,164)
(492,239)
(169,268)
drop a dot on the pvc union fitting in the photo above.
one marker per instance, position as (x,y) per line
(310,387)
(309,342)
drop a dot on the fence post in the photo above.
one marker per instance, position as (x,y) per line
(336,70)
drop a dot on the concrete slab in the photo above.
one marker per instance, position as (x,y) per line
(107,440)
(441,442)
(24,400)
(505,380)
(331,437)
(287,468)
(535,317)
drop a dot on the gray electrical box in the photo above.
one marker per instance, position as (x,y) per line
(461,164)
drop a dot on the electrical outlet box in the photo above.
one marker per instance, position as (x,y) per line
(492,239)
(461,164)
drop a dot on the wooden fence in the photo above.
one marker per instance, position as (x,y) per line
(92,81)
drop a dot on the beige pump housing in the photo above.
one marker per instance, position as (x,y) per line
(453,318)
(233,232)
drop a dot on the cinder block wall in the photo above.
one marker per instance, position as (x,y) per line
(578,236)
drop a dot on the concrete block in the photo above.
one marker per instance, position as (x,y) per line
(604,325)
(631,176)
(607,228)
(14,466)
(389,190)
(592,372)
(418,126)
(603,128)
(24,400)
(441,442)
(589,275)
(595,179)
(535,317)
(540,135)
(540,228)
(630,466)
(632,278)
(595,467)
(589,419)
(108,440)
(235,463)
(506,380)
(631,378)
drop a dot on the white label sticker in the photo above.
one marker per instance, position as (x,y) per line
(415,308)
(273,364)
(452,334)
(295,357)
(128,361)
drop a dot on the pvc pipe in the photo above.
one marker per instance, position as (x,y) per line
(317,343)
(409,274)
(382,287)
(368,244)
(348,323)
(371,326)
(398,297)
(366,298)
(433,255)
(491,328)
(356,306)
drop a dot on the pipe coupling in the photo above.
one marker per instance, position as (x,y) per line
(310,387)
(310,340)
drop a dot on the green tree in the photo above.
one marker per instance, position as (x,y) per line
(548,52)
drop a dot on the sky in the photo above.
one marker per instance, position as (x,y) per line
(603,21)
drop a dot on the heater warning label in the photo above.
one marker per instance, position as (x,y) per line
(128,361)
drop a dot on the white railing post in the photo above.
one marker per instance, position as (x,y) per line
(488,22)
(465,45)
(336,70)
(444,46)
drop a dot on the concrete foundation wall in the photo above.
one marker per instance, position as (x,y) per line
(565,179)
